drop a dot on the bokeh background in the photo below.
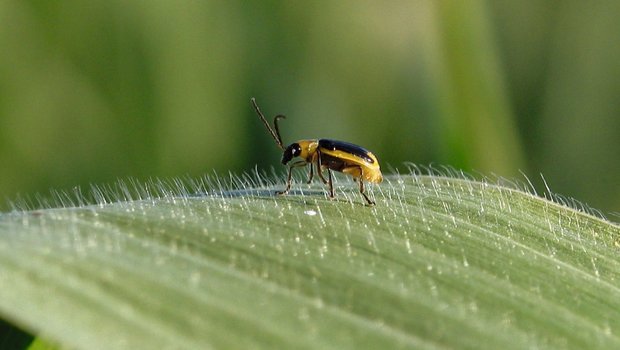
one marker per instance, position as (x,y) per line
(92,91)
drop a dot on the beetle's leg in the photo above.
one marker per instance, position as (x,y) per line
(358,175)
(288,182)
(318,167)
(319,171)
(331,184)
(310,174)
(289,178)
(371,203)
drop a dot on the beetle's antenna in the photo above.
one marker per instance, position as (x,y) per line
(275,124)
(275,134)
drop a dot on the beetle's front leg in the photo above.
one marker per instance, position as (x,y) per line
(288,182)
(289,178)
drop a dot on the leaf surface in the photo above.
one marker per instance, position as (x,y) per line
(437,263)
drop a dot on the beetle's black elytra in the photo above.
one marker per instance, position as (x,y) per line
(347,147)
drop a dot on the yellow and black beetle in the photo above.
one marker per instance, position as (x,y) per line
(326,154)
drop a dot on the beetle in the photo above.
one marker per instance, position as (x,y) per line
(327,154)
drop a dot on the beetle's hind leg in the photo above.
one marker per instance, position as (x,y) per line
(358,176)
(361,181)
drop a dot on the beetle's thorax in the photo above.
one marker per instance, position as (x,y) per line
(308,149)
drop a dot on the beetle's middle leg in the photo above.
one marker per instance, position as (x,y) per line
(330,183)
(318,167)
(310,174)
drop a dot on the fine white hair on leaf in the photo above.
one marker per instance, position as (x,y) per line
(261,182)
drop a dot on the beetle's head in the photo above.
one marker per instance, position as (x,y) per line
(292,151)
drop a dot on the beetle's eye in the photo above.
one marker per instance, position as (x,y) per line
(296,150)
(291,151)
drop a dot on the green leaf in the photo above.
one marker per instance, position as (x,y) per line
(437,263)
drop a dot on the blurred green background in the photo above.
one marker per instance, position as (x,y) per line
(92,91)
